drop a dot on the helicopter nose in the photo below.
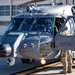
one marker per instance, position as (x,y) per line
(5,50)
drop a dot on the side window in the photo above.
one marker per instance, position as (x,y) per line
(59,22)
(69,28)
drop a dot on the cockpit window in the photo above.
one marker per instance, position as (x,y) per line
(41,24)
(21,24)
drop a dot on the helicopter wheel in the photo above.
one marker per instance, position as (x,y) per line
(27,60)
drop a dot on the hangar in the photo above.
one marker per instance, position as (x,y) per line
(9,8)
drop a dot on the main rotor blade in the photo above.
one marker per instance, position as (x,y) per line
(33,1)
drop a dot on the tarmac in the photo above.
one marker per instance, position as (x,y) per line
(19,66)
(54,70)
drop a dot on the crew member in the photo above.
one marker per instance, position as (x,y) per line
(66,60)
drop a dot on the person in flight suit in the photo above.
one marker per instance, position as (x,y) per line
(50,28)
(66,60)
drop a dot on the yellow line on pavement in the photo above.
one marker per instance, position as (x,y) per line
(37,69)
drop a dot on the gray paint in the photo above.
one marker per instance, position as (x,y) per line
(37,45)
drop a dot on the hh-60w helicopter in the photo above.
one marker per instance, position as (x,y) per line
(40,34)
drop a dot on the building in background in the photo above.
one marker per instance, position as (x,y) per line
(9,8)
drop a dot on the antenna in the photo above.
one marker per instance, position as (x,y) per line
(52,2)
(35,5)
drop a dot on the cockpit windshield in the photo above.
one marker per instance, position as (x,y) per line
(41,24)
(18,24)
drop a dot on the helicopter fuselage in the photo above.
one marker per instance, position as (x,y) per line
(38,35)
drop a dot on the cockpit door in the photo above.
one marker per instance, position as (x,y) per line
(65,38)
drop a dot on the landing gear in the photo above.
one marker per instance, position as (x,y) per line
(10,61)
(27,60)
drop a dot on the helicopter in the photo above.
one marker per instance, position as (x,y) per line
(41,33)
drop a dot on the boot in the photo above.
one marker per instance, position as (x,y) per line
(69,71)
(63,72)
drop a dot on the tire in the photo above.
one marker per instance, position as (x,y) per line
(27,60)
